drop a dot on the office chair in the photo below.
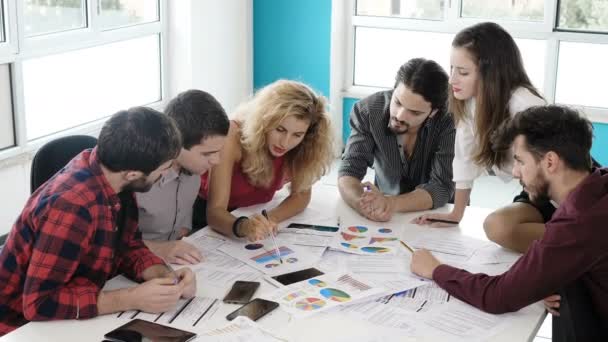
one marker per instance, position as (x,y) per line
(51,157)
(577,321)
(54,155)
(2,241)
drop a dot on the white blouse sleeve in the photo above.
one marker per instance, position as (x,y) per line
(465,170)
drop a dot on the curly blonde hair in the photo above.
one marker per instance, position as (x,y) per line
(305,163)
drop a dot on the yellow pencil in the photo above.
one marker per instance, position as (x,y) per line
(406,246)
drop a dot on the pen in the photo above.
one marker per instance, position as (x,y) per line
(276,247)
(406,246)
(442,221)
(175,277)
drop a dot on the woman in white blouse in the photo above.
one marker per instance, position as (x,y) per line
(488,86)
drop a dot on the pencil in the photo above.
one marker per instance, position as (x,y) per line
(442,221)
(276,247)
(175,277)
(406,246)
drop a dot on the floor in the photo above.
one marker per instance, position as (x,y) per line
(488,192)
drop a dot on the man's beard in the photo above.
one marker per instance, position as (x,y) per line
(401,130)
(540,191)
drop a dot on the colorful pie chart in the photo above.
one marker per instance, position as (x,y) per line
(310,304)
(335,295)
(349,245)
(357,229)
(317,283)
(293,295)
(375,249)
(348,237)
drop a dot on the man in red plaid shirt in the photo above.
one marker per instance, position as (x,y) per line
(79,229)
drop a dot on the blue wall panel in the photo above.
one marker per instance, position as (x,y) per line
(292,40)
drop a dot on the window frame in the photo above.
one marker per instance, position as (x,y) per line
(345,21)
(18,48)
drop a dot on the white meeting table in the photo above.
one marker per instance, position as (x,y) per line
(325,199)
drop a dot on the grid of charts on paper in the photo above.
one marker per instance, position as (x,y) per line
(366,240)
(263,256)
(324,292)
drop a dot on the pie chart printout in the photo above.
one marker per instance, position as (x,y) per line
(310,304)
(335,295)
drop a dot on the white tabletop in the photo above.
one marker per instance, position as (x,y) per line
(315,328)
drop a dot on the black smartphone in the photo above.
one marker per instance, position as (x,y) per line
(313,227)
(241,292)
(138,330)
(255,309)
(297,276)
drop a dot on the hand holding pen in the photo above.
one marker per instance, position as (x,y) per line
(257,227)
(171,272)
(276,247)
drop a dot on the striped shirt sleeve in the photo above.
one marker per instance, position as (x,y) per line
(440,185)
(359,152)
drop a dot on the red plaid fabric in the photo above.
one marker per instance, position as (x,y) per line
(64,246)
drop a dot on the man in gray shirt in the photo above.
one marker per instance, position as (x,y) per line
(408,137)
(165,212)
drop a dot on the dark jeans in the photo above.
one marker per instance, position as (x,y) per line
(546,209)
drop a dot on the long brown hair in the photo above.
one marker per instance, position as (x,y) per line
(501,72)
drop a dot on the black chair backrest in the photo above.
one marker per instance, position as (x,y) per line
(578,320)
(55,154)
(2,241)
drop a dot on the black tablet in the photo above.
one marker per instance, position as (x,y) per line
(138,330)
(297,276)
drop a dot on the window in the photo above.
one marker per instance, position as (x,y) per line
(120,13)
(113,77)
(7,133)
(584,15)
(554,37)
(1,22)
(530,10)
(582,83)
(44,17)
(67,65)
(370,41)
(415,9)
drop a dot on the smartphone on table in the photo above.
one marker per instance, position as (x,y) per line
(255,309)
(241,292)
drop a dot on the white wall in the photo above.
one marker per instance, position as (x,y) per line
(210,47)
(15,185)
